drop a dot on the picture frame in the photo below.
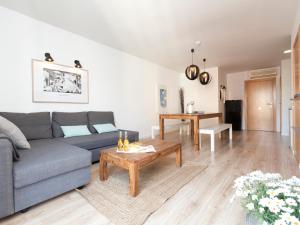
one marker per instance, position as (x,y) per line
(58,83)
(162,98)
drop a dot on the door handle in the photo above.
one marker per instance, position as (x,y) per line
(269,103)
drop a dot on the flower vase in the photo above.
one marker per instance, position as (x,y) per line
(251,220)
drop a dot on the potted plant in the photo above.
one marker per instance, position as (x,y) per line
(269,199)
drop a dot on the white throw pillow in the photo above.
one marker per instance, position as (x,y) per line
(14,133)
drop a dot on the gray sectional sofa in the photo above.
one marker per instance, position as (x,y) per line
(54,164)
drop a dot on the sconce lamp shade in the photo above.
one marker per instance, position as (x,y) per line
(77,64)
(48,57)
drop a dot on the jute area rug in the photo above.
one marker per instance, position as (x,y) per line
(158,182)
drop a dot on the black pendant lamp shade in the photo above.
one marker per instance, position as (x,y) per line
(204,77)
(192,71)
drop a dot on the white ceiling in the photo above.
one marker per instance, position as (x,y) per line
(236,35)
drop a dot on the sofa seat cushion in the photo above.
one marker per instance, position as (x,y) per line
(48,158)
(98,140)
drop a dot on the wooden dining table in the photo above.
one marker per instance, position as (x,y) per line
(195,123)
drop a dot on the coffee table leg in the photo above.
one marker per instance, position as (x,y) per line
(178,157)
(103,169)
(133,179)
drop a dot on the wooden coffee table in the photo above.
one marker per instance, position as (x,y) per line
(134,162)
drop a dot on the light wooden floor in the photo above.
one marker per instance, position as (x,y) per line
(205,200)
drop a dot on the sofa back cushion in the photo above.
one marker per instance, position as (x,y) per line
(96,117)
(14,134)
(33,125)
(67,119)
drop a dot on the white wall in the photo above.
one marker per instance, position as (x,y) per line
(118,81)
(236,85)
(236,91)
(285,95)
(206,97)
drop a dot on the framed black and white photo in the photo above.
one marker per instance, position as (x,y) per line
(58,83)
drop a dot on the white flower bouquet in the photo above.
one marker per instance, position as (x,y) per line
(270,198)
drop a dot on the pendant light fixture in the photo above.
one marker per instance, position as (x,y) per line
(192,71)
(204,77)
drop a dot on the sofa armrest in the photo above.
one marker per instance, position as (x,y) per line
(132,135)
(6,178)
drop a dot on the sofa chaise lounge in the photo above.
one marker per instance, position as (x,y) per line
(54,164)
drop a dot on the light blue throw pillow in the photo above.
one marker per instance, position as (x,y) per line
(72,131)
(105,128)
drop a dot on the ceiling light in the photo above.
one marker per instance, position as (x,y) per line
(287,51)
(204,77)
(192,71)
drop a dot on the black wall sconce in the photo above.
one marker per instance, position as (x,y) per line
(223,87)
(77,64)
(48,57)
(222,93)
